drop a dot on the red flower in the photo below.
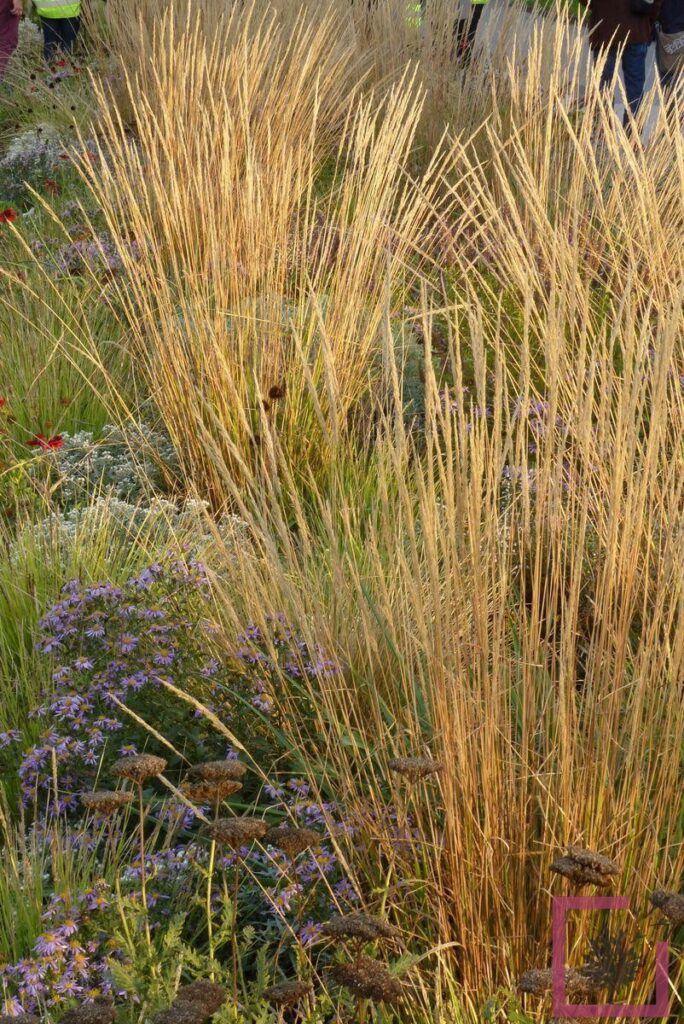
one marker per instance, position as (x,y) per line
(46,443)
(60,63)
(51,185)
(8,215)
(3,401)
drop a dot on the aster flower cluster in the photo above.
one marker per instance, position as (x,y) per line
(71,957)
(31,158)
(114,645)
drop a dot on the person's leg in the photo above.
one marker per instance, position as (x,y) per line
(9,36)
(634,71)
(69,32)
(608,72)
(51,38)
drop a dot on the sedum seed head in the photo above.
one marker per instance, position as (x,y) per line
(236,832)
(360,926)
(203,993)
(213,771)
(415,768)
(292,841)
(368,979)
(210,792)
(590,859)
(21,1018)
(138,767)
(287,993)
(671,904)
(105,802)
(578,874)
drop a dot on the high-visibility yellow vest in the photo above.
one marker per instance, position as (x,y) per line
(58,8)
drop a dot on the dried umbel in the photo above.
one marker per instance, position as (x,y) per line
(368,979)
(590,859)
(182,1013)
(215,771)
(538,982)
(210,792)
(415,768)
(579,874)
(138,767)
(105,802)
(236,832)
(101,1011)
(292,841)
(21,1018)
(671,904)
(204,993)
(287,993)
(360,926)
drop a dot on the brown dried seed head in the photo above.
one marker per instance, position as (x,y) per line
(415,768)
(215,771)
(292,841)
(671,904)
(287,993)
(105,802)
(21,1018)
(237,832)
(590,859)
(276,392)
(538,982)
(101,1011)
(578,874)
(138,767)
(360,926)
(368,979)
(204,993)
(182,1013)
(209,792)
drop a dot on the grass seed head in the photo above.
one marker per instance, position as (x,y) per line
(415,768)
(671,904)
(292,841)
(360,926)
(236,832)
(368,979)
(210,792)
(105,802)
(579,874)
(204,993)
(596,861)
(215,771)
(138,767)
(287,993)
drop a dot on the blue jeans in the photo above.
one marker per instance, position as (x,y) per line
(634,71)
(58,34)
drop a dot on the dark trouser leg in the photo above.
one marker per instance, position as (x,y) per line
(464,34)
(634,71)
(9,33)
(58,34)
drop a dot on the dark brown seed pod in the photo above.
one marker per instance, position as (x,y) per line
(596,861)
(578,874)
(671,904)
(236,832)
(204,993)
(360,926)
(415,768)
(217,771)
(210,792)
(105,802)
(292,841)
(368,979)
(276,392)
(287,993)
(138,767)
